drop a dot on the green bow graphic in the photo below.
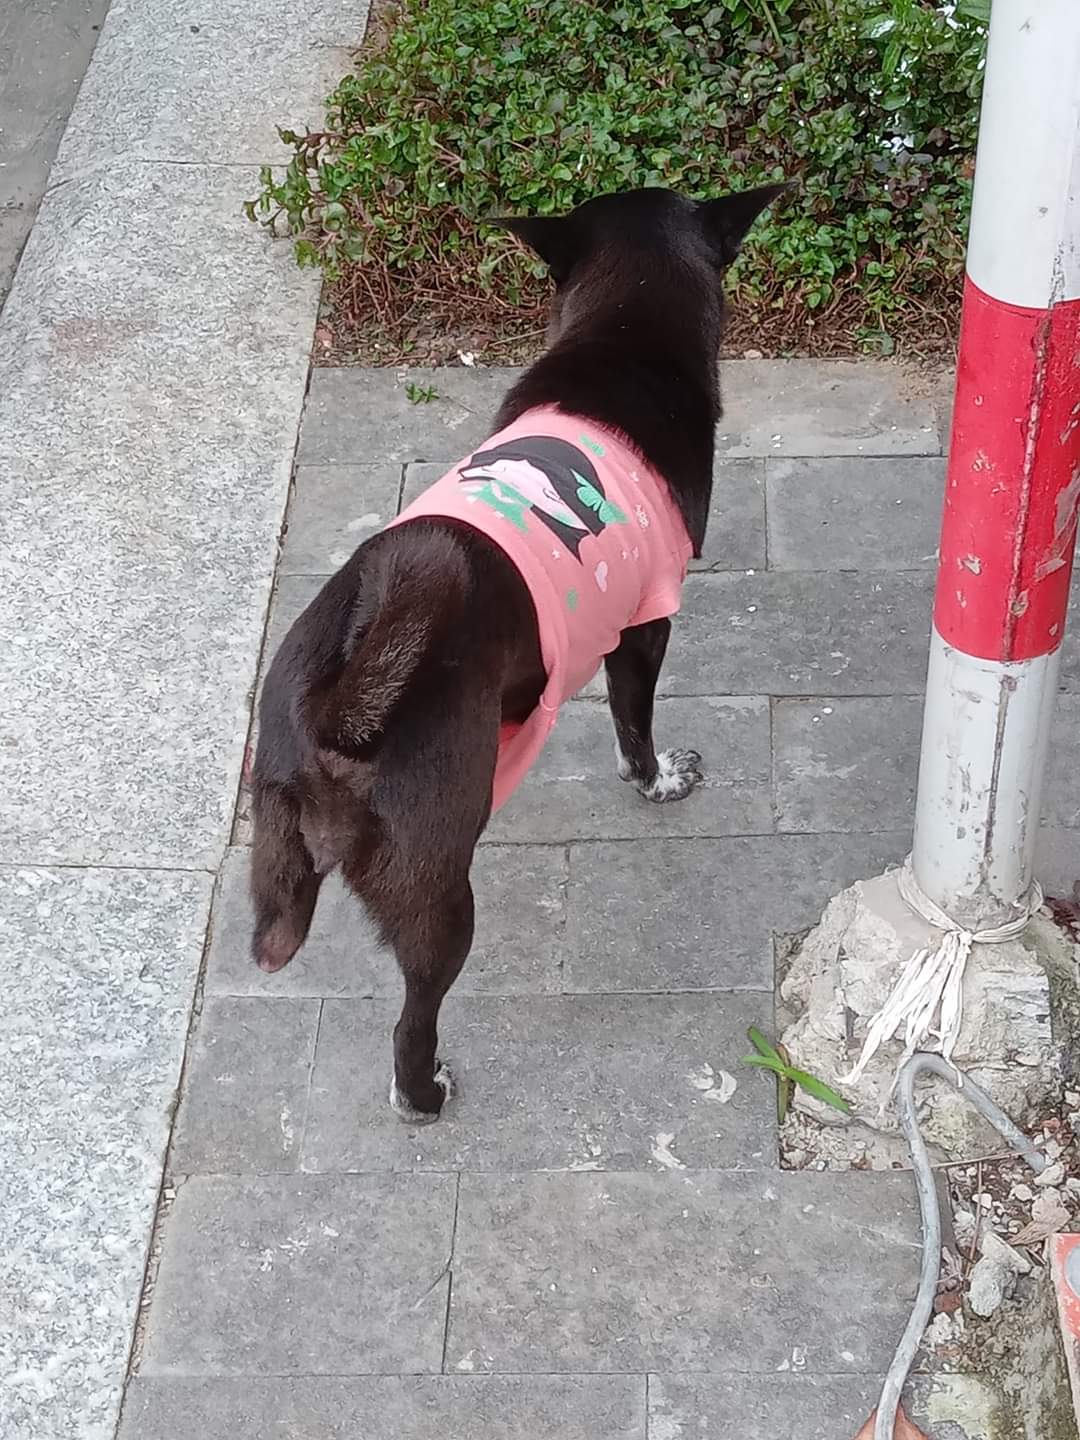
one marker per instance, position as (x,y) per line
(589,495)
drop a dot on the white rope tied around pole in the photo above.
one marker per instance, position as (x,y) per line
(932,982)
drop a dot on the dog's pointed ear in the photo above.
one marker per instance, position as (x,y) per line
(553,237)
(728,219)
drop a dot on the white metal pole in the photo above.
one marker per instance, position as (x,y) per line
(1013,482)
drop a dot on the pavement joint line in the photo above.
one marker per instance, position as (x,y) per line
(771,456)
(162,1205)
(312,1060)
(717,569)
(450,1274)
(149,867)
(774,800)
(766,1168)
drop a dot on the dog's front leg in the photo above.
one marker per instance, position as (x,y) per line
(632,673)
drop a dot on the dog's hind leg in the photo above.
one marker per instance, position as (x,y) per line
(284,881)
(633,669)
(428,921)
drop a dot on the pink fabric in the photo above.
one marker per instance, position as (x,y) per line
(595,535)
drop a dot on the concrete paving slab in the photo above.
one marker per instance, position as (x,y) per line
(334,509)
(1061,802)
(45,47)
(846,764)
(786,407)
(206,69)
(584,1082)
(757,1407)
(246,1086)
(735,539)
(674,914)
(850,763)
(818,1407)
(313,1275)
(177,520)
(414,1407)
(1059,861)
(99,972)
(364,416)
(800,634)
(292,595)
(520,919)
(699,1272)
(851,513)
(825,407)
(572,794)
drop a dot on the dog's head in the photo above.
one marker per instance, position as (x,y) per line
(605,249)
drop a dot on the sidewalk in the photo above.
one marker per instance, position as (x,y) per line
(591,1243)
(153,362)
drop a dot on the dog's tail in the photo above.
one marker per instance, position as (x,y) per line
(411,599)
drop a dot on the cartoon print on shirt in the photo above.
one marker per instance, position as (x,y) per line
(549,477)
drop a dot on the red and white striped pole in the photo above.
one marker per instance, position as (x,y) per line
(1013,481)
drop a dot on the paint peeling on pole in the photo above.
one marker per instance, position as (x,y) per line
(1013,488)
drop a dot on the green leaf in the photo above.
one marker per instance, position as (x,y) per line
(820,1091)
(764,1063)
(762,1045)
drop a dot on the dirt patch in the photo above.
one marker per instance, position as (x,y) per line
(381,320)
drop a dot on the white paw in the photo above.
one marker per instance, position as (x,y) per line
(677,772)
(407,1112)
(622,764)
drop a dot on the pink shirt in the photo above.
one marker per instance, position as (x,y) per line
(596,538)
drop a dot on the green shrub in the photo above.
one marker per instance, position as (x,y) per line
(475,107)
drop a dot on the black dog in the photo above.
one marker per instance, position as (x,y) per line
(381,714)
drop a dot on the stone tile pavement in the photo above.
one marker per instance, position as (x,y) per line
(596,1242)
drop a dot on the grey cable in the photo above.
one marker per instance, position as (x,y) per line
(889,1403)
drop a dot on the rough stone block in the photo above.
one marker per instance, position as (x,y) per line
(246,1085)
(848,966)
(574,793)
(622,1273)
(582,1082)
(851,513)
(313,1275)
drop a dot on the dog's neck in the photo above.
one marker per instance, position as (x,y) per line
(646,374)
